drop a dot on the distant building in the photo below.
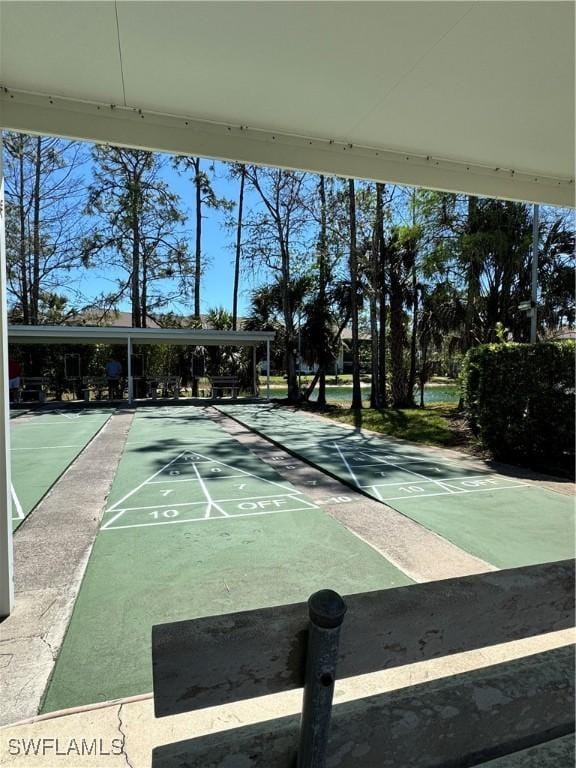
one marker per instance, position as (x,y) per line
(113,318)
(119,319)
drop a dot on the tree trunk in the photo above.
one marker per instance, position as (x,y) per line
(238,250)
(473,287)
(382,297)
(412,374)
(322,389)
(322,281)
(423,373)
(375,401)
(276,210)
(374,373)
(356,390)
(136,307)
(311,386)
(473,283)
(374,368)
(35,292)
(397,338)
(290,353)
(320,376)
(22,241)
(144,291)
(198,253)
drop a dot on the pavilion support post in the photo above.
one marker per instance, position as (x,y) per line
(130,382)
(534,295)
(254,372)
(6,554)
(268,369)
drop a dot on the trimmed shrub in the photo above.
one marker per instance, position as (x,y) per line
(519,400)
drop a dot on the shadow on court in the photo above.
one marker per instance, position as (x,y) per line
(499,517)
(195,525)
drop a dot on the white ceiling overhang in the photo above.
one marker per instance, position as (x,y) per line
(475,97)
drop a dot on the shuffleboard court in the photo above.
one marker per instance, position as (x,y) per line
(43,445)
(14,414)
(195,525)
(503,520)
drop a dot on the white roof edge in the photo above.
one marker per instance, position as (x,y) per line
(126,126)
(86,334)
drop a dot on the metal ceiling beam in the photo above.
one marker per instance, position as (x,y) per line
(125,126)
(86,334)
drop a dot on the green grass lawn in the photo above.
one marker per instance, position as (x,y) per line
(435,425)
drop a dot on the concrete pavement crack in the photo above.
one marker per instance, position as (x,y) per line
(120,725)
(53,652)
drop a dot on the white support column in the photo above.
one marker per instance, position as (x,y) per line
(534,293)
(6,555)
(267,369)
(254,375)
(130,382)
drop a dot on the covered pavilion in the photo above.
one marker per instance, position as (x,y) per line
(474,97)
(114,335)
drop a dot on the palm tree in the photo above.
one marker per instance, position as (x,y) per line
(221,360)
(441,323)
(401,251)
(267,313)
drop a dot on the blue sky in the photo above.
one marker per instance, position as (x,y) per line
(85,285)
(217,243)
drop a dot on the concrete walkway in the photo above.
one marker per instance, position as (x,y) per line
(122,733)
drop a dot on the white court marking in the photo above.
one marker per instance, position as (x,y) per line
(201,519)
(206,492)
(291,495)
(446,486)
(443,484)
(30,423)
(83,414)
(348,467)
(17,506)
(374,453)
(48,447)
(210,502)
(70,416)
(143,483)
(440,483)
(430,480)
(454,493)
(192,479)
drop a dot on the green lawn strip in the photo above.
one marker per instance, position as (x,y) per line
(433,425)
(140,576)
(41,450)
(506,525)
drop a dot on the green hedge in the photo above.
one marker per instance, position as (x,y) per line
(519,399)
